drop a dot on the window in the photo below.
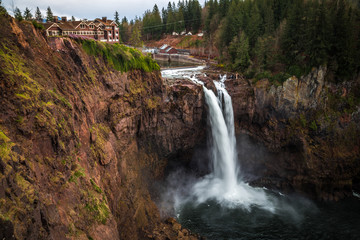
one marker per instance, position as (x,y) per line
(91,26)
(82,26)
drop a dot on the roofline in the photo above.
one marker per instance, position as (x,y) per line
(52,25)
(82,21)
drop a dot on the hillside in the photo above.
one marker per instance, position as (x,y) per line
(82,136)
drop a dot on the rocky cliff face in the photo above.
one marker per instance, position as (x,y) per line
(81,142)
(311,128)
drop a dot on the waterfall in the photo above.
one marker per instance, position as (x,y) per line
(223,184)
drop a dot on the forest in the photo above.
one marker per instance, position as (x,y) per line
(264,38)
(272,39)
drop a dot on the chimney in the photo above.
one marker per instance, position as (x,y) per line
(104,19)
(56,19)
(64,19)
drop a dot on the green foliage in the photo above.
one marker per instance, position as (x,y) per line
(17,14)
(37,25)
(2,9)
(38,15)
(152,24)
(239,51)
(290,36)
(120,57)
(313,126)
(27,14)
(135,38)
(49,15)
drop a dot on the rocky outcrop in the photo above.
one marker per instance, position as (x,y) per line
(80,142)
(311,129)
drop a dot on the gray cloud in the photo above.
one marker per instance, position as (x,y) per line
(89,9)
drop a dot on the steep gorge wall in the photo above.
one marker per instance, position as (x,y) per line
(311,128)
(80,142)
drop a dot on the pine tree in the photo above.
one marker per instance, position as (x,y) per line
(2,9)
(239,51)
(292,39)
(116,18)
(38,15)
(157,29)
(17,14)
(135,39)
(49,15)
(170,18)
(196,16)
(27,14)
(254,25)
(269,21)
(164,16)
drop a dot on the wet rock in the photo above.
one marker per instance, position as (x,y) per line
(288,121)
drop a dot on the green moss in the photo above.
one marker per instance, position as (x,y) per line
(26,187)
(119,57)
(60,98)
(95,186)
(153,102)
(5,146)
(24,96)
(98,209)
(313,126)
(97,148)
(77,174)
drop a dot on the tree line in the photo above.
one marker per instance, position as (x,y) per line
(265,38)
(38,16)
(260,38)
(274,37)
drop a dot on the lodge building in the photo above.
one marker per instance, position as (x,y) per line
(103,30)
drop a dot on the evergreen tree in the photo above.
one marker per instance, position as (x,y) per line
(292,39)
(73,19)
(171,18)
(269,21)
(254,25)
(116,18)
(135,39)
(232,24)
(239,52)
(27,14)
(156,22)
(49,15)
(17,14)
(196,16)
(2,9)
(164,19)
(38,15)
(124,30)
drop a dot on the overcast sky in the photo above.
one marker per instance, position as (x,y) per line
(89,9)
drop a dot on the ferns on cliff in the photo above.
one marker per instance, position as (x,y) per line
(120,57)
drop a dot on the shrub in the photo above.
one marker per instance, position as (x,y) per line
(37,25)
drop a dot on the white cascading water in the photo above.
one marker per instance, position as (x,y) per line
(224,184)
